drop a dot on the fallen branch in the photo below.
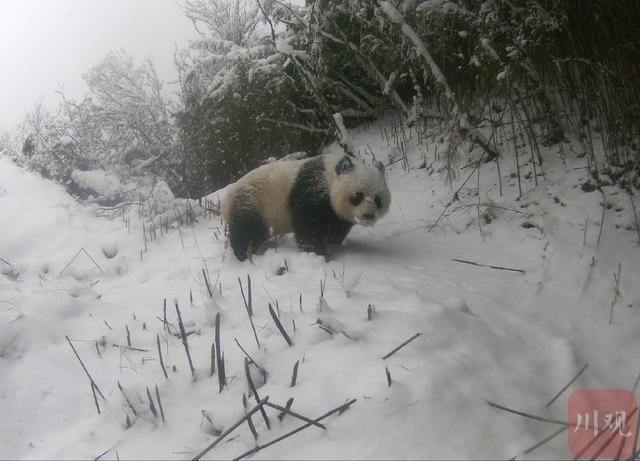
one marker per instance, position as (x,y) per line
(160,355)
(294,376)
(185,343)
(401,346)
(135,349)
(287,407)
(74,258)
(231,429)
(85,368)
(500,268)
(135,413)
(340,409)
(5,261)
(294,414)
(254,391)
(567,386)
(262,370)
(160,404)
(279,325)
(526,415)
(616,292)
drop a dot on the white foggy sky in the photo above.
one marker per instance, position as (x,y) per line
(45,43)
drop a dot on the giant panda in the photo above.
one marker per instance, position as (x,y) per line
(319,199)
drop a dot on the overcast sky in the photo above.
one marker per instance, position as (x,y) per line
(48,43)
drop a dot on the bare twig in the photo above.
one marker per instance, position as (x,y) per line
(231,429)
(604,207)
(5,261)
(294,414)
(254,391)
(95,397)
(160,356)
(401,346)
(213,359)
(294,376)
(244,298)
(135,413)
(388,373)
(488,265)
(160,404)
(340,409)
(206,282)
(616,293)
(81,250)
(287,406)
(279,325)
(545,440)
(152,406)
(567,386)
(252,428)
(526,415)
(262,370)
(185,343)
(222,380)
(85,368)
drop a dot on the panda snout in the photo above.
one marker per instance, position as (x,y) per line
(369,216)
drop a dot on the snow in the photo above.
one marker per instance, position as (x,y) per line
(508,337)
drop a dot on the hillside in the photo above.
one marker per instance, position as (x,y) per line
(514,334)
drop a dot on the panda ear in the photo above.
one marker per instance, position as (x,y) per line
(345,165)
(380,167)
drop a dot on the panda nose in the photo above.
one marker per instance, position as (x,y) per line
(368,216)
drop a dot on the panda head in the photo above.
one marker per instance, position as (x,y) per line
(359,192)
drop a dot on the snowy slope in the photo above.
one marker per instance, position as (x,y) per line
(511,337)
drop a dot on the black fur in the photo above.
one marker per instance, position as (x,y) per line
(315,224)
(247,228)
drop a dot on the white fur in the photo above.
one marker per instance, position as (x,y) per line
(269,186)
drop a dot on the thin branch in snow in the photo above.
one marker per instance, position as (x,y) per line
(339,409)
(279,325)
(160,356)
(567,386)
(185,342)
(262,370)
(135,413)
(160,404)
(85,368)
(294,376)
(388,373)
(295,415)
(400,346)
(252,428)
(5,261)
(81,250)
(213,359)
(616,293)
(231,429)
(526,415)
(500,268)
(152,405)
(287,406)
(604,207)
(222,379)
(95,397)
(254,391)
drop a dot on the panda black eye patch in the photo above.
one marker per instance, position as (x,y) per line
(378,201)
(357,198)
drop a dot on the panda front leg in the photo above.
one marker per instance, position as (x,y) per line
(311,236)
(247,230)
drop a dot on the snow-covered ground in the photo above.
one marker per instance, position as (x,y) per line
(515,338)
